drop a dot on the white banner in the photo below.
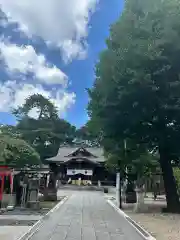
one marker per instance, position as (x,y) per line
(71,172)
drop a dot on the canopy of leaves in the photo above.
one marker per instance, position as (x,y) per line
(137,86)
(177,177)
(135,158)
(17,153)
(46,132)
(10,130)
(87,134)
(136,92)
(42,105)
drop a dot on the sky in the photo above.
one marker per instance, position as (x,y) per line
(51,48)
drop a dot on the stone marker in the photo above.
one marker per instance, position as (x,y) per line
(33,201)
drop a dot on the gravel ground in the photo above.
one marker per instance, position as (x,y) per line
(162,226)
(12,232)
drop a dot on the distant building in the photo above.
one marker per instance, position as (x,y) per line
(87,164)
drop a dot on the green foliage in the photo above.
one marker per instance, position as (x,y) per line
(88,134)
(135,158)
(83,133)
(176,171)
(16,152)
(136,92)
(10,131)
(46,132)
(44,107)
(137,87)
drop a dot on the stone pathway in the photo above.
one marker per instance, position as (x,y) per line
(86,216)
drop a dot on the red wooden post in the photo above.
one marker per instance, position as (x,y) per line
(4,171)
(1,187)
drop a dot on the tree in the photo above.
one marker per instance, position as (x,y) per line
(83,133)
(45,132)
(135,158)
(17,153)
(43,107)
(176,171)
(87,134)
(10,131)
(136,92)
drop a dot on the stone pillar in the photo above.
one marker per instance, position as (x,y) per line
(140,205)
(47,180)
(33,201)
(118,190)
(79,181)
(50,193)
(23,197)
(12,201)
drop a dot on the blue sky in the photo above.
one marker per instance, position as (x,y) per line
(52,49)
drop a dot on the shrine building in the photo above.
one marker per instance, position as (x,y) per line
(82,164)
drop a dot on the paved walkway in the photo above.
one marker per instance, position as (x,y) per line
(86,216)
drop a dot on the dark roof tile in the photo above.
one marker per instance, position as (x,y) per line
(63,153)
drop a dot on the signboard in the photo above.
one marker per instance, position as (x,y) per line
(71,172)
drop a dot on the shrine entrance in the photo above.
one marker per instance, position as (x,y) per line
(82,166)
(80,176)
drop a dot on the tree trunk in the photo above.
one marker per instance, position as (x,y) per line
(172,198)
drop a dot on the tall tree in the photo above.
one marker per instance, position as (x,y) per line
(45,132)
(10,130)
(43,107)
(16,152)
(89,135)
(136,92)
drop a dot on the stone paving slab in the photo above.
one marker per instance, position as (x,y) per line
(86,216)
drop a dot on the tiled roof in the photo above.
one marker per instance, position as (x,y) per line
(62,156)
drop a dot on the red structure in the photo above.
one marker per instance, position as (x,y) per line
(5,173)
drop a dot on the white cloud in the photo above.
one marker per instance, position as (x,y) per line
(34,113)
(13,95)
(70,49)
(62,23)
(24,59)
